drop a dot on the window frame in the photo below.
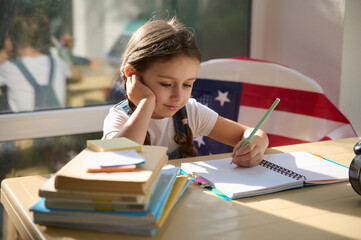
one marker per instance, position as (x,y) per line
(52,123)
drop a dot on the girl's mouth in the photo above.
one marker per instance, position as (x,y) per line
(171,107)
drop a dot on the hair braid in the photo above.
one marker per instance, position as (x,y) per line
(185,140)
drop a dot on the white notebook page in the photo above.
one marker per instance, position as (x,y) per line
(314,168)
(235,181)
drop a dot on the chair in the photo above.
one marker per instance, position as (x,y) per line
(242,89)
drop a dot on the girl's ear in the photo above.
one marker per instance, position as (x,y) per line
(129,71)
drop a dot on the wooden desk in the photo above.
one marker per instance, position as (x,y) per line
(321,212)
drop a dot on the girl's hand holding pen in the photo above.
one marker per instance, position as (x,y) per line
(251,154)
(254,154)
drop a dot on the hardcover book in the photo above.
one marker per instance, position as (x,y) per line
(74,175)
(48,190)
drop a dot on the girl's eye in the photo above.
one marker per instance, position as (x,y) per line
(188,85)
(165,84)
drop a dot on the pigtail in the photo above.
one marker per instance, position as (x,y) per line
(185,140)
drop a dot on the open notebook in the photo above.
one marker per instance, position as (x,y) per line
(275,173)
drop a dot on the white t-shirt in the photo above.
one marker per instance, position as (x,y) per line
(21,94)
(201,120)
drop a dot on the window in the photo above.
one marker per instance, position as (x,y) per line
(86,40)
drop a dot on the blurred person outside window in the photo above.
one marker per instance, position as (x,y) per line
(34,79)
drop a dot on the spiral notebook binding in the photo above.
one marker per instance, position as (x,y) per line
(282,170)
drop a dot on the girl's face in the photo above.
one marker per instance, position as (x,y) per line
(171,82)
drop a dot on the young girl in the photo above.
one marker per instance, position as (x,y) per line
(159,69)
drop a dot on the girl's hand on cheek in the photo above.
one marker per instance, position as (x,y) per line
(137,91)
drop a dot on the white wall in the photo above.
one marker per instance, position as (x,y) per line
(308,36)
(350,94)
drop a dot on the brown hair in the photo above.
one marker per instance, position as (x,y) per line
(161,40)
(31,27)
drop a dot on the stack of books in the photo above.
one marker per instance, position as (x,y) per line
(134,201)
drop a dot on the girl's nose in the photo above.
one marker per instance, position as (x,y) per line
(176,92)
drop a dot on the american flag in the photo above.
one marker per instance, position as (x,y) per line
(243,89)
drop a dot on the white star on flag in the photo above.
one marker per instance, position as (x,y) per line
(222,97)
(200,141)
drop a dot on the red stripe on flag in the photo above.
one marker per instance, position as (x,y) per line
(295,101)
(276,140)
(326,138)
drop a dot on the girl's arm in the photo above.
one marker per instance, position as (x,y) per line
(234,134)
(137,125)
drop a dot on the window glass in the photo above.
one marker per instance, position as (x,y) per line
(86,40)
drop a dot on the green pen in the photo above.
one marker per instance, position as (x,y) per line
(259,124)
